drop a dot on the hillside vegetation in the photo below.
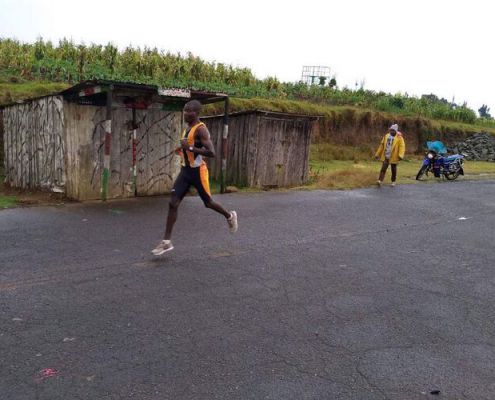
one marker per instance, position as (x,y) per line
(340,125)
(31,69)
(349,118)
(350,124)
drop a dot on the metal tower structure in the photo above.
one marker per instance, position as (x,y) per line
(315,75)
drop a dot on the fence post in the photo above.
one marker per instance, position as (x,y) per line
(225,135)
(134,151)
(107,146)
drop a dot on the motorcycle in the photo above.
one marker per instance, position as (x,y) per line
(440,164)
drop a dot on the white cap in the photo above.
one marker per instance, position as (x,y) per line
(395,127)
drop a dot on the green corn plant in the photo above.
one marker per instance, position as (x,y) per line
(71,62)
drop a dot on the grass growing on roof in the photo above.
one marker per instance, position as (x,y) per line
(12,92)
(14,89)
(349,114)
(70,62)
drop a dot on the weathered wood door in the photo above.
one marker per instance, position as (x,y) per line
(34,145)
(283,156)
(157,165)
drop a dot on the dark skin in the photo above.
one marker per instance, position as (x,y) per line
(191,116)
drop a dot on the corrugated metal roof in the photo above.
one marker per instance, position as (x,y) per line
(172,93)
(275,114)
(160,94)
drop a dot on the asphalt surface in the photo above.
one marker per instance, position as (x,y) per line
(367,294)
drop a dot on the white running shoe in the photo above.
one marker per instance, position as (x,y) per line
(163,247)
(232,221)
(379,183)
(393,184)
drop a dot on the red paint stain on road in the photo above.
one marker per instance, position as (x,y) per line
(45,374)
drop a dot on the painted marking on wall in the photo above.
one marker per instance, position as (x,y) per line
(174,92)
(90,91)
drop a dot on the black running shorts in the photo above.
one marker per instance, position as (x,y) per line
(196,177)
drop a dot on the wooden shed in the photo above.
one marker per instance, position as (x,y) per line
(265,149)
(105,139)
(98,139)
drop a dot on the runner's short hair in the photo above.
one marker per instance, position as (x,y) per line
(195,105)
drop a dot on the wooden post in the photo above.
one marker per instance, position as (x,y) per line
(107,147)
(225,135)
(134,151)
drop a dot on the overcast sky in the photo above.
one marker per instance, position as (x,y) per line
(444,47)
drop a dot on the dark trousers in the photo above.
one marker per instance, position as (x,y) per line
(385,165)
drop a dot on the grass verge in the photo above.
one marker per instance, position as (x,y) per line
(349,174)
(7,201)
(13,197)
(345,167)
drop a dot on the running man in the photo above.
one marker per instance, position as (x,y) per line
(391,151)
(194,146)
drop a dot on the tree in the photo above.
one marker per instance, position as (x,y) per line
(484,111)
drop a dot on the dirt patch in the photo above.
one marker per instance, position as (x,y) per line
(346,179)
(25,198)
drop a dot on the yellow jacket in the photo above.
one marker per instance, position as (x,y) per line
(398,148)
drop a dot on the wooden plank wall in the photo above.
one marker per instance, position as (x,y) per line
(158,137)
(282,154)
(2,150)
(157,166)
(34,145)
(265,150)
(241,155)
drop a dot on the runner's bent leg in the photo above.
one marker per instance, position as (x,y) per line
(202,184)
(173,209)
(217,207)
(181,187)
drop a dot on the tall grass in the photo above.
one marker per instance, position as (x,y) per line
(70,62)
(358,174)
(327,152)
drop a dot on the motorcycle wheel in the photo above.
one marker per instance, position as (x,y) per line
(421,172)
(452,176)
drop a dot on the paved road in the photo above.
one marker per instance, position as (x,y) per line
(367,294)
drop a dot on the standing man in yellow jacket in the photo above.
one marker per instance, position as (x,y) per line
(391,150)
